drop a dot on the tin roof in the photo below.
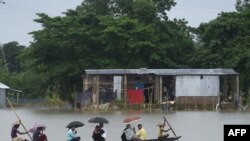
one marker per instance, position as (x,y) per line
(3,86)
(163,71)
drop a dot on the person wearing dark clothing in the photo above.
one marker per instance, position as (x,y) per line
(43,137)
(38,135)
(15,131)
(146,92)
(97,134)
(170,92)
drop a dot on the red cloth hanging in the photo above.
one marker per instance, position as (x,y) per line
(135,96)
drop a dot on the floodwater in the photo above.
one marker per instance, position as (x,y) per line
(191,125)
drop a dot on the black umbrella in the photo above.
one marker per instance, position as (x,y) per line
(98,120)
(75,124)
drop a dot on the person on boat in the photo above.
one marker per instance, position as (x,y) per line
(71,134)
(161,131)
(43,137)
(38,135)
(97,135)
(141,134)
(103,131)
(128,133)
(15,132)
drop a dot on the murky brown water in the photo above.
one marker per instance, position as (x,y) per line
(191,125)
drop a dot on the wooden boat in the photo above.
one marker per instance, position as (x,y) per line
(165,139)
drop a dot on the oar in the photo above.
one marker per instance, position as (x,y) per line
(170,126)
(18,118)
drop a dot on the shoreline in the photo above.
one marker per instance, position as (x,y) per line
(108,107)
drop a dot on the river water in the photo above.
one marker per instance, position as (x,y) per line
(191,125)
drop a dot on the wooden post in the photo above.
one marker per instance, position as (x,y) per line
(125,89)
(186,101)
(160,93)
(85,84)
(213,103)
(97,89)
(85,87)
(17,100)
(238,90)
(205,102)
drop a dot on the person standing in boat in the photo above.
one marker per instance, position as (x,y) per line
(71,134)
(15,131)
(141,134)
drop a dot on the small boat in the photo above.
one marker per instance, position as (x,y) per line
(165,139)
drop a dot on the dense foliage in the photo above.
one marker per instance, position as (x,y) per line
(225,42)
(123,34)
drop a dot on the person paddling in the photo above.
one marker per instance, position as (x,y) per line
(15,132)
(161,130)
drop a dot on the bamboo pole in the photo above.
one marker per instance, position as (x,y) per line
(18,118)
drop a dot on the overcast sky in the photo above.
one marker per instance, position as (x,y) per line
(16,16)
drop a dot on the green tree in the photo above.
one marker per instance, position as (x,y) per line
(163,6)
(99,7)
(10,52)
(144,11)
(224,42)
(242,5)
(113,34)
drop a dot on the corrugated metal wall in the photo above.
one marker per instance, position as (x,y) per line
(197,86)
(2,98)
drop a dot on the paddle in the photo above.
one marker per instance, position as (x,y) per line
(170,126)
(18,118)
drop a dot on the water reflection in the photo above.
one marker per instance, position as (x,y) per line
(192,126)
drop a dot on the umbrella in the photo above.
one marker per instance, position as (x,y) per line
(35,126)
(131,119)
(98,120)
(75,124)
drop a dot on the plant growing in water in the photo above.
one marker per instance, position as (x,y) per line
(52,98)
